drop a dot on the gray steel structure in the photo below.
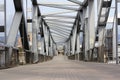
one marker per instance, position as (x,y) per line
(54,28)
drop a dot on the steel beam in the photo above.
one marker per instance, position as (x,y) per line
(101,35)
(62,29)
(78,44)
(71,44)
(59,16)
(62,25)
(34,2)
(77,2)
(74,32)
(47,27)
(60,12)
(60,7)
(14,29)
(82,4)
(58,35)
(42,46)
(5,20)
(116,30)
(46,35)
(18,24)
(59,32)
(60,4)
(59,39)
(56,39)
(91,23)
(68,48)
(51,47)
(34,33)
(59,21)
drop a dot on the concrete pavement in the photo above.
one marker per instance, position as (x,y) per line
(60,68)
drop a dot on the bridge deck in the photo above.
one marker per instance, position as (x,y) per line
(62,69)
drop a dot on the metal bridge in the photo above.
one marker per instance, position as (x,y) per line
(80,30)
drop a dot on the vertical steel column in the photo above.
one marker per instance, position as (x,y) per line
(42,46)
(116,30)
(46,38)
(78,44)
(91,23)
(54,49)
(91,26)
(71,45)
(66,48)
(84,19)
(5,24)
(74,39)
(50,47)
(101,42)
(86,32)
(34,33)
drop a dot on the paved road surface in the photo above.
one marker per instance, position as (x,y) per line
(62,69)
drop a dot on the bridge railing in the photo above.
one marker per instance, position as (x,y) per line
(6,60)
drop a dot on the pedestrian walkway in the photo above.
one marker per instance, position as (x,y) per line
(60,68)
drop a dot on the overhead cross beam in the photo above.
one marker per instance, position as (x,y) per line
(77,2)
(60,30)
(59,16)
(54,34)
(64,25)
(60,7)
(58,37)
(60,21)
(60,27)
(60,12)
(59,4)
(59,33)
(84,3)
